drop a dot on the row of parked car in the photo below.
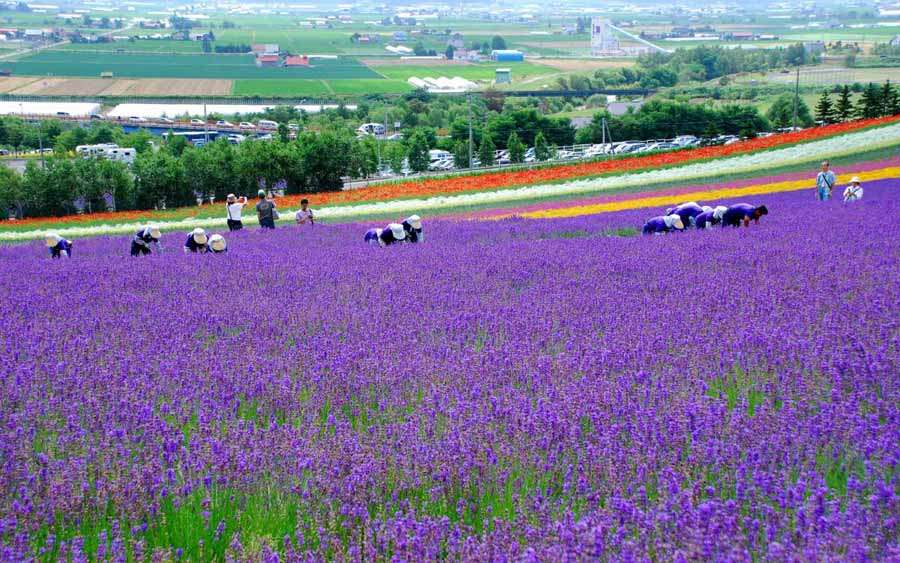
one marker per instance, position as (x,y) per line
(442,160)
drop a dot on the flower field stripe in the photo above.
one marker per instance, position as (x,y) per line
(680,192)
(495,180)
(705,196)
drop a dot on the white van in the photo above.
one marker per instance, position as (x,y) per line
(87,151)
(266,124)
(126,155)
(371,129)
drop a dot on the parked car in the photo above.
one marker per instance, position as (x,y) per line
(62,114)
(96,116)
(137,119)
(223,123)
(267,124)
(246,125)
(166,120)
(198,122)
(4,152)
(293,127)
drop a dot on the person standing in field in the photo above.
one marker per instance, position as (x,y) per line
(825,181)
(234,207)
(305,214)
(854,191)
(265,211)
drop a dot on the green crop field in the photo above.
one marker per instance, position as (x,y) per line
(277,87)
(140,45)
(363,87)
(140,65)
(479,71)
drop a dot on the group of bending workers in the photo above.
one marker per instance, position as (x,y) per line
(691,214)
(197,241)
(410,230)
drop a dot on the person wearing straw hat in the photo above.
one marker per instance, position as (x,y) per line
(234,207)
(663,224)
(216,244)
(742,213)
(393,234)
(140,243)
(710,217)
(825,181)
(854,191)
(58,246)
(265,211)
(413,228)
(688,212)
(196,241)
(304,214)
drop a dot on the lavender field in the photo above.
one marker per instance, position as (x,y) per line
(508,391)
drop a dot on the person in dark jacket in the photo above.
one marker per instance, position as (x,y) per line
(742,212)
(58,246)
(663,224)
(710,217)
(688,212)
(196,241)
(413,228)
(140,243)
(373,236)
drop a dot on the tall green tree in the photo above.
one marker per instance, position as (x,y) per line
(159,182)
(486,151)
(541,148)
(843,109)
(825,109)
(461,155)
(418,152)
(498,43)
(869,104)
(781,113)
(516,148)
(890,99)
(393,154)
(12,194)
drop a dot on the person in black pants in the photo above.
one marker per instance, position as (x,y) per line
(234,207)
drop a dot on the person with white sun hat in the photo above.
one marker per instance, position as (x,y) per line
(140,243)
(663,224)
(216,244)
(196,241)
(58,246)
(392,234)
(854,191)
(413,228)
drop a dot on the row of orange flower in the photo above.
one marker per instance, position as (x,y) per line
(498,179)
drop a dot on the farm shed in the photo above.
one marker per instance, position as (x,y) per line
(507,55)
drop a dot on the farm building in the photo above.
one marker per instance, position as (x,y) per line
(265,48)
(302,60)
(267,60)
(503,76)
(506,55)
(7,33)
(33,34)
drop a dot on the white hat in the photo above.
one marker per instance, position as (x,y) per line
(154,231)
(707,209)
(217,243)
(674,221)
(51,239)
(719,211)
(397,231)
(199,235)
(415,221)
(854,180)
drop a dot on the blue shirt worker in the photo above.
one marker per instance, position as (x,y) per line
(373,236)
(854,191)
(393,234)
(217,244)
(688,212)
(825,181)
(196,241)
(710,217)
(413,228)
(58,246)
(663,224)
(140,244)
(743,212)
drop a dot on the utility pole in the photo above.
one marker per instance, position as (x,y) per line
(603,130)
(205,125)
(470,132)
(41,140)
(796,97)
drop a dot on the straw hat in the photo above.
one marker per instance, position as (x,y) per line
(854,180)
(51,239)
(217,243)
(415,221)
(397,231)
(154,231)
(199,235)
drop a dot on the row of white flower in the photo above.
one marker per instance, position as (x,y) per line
(709,171)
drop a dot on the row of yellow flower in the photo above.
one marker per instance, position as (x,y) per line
(708,195)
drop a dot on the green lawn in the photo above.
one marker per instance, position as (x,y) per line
(141,65)
(141,45)
(363,87)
